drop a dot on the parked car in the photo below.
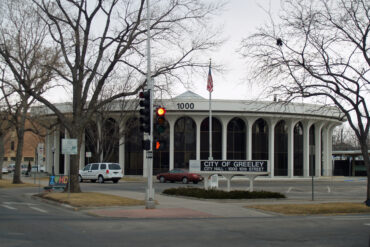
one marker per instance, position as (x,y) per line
(11,167)
(38,168)
(24,168)
(179,175)
(101,172)
(5,170)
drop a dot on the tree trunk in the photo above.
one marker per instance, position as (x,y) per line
(74,163)
(365,154)
(18,158)
(19,153)
(1,153)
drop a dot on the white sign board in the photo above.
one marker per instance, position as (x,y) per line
(88,155)
(40,154)
(69,146)
(229,166)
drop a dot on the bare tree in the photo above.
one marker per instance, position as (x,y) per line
(5,126)
(344,138)
(320,50)
(25,62)
(103,45)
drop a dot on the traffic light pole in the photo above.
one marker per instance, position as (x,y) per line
(149,202)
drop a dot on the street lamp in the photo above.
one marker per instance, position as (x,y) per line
(52,169)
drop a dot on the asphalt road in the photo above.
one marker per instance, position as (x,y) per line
(345,189)
(28,222)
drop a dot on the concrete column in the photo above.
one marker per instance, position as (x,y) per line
(172,142)
(318,128)
(82,152)
(306,148)
(121,148)
(325,148)
(250,121)
(48,153)
(98,124)
(198,122)
(329,169)
(271,126)
(224,122)
(56,138)
(67,160)
(291,125)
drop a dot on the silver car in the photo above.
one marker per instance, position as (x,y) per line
(101,172)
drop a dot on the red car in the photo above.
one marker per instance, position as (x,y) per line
(179,175)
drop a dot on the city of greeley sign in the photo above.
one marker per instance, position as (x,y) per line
(228,166)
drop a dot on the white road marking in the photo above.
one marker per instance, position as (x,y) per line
(329,190)
(8,207)
(352,218)
(39,209)
(367,224)
(289,189)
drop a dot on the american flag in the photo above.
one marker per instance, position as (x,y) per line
(210,81)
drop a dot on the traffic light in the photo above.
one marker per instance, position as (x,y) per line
(161,121)
(160,145)
(160,127)
(145,111)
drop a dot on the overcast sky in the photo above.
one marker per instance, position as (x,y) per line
(240,18)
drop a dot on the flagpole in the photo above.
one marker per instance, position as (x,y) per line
(210,119)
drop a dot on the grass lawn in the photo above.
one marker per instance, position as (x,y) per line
(6,183)
(91,199)
(309,209)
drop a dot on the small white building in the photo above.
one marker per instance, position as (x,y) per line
(294,138)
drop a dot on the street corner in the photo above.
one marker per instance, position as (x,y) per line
(150,213)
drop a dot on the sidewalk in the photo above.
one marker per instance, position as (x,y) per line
(177,207)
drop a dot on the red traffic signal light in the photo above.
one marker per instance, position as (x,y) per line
(161,121)
(161,111)
(160,145)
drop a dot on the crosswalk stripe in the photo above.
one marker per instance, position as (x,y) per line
(39,209)
(8,207)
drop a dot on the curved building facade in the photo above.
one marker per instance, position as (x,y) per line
(296,139)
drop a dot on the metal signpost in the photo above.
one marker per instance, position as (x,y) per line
(150,204)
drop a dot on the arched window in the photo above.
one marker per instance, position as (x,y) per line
(185,142)
(216,139)
(91,140)
(110,140)
(133,148)
(312,151)
(281,149)
(298,149)
(260,140)
(236,138)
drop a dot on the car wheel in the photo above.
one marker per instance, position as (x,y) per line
(115,181)
(80,179)
(162,179)
(101,179)
(185,180)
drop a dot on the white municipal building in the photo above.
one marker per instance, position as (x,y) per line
(295,138)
